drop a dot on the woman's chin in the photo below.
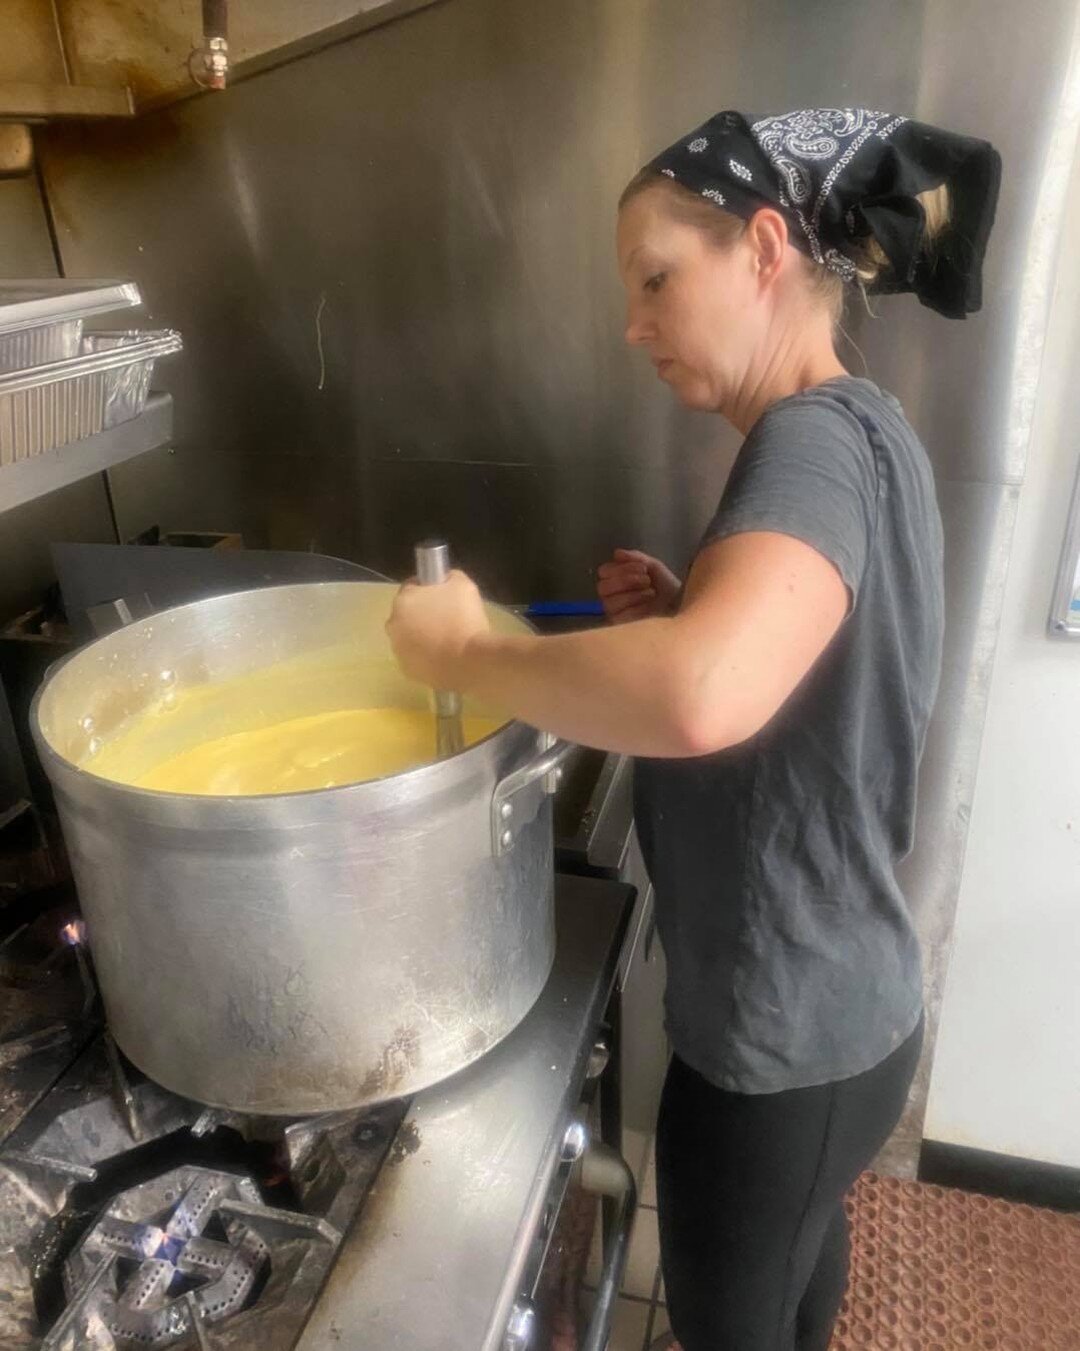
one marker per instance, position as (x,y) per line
(695,396)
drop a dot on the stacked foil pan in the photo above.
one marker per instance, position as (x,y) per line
(59,383)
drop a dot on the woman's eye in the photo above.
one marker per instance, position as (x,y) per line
(655,282)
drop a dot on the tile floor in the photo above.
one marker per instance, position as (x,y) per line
(640,1315)
(960,1270)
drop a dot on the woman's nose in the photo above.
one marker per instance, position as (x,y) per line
(638,330)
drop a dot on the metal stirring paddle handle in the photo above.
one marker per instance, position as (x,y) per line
(433,568)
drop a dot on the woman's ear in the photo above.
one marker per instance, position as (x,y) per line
(767,235)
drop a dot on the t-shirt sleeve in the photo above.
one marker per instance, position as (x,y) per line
(807,470)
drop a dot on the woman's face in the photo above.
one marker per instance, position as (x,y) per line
(695,305)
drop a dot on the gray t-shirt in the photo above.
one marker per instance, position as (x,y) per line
(792,959)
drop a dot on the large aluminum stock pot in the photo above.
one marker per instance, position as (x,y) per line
(311,951)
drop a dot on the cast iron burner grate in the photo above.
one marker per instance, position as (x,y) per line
(204,1231)
(181,1252)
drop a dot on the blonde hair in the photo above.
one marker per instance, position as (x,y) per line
(723,228)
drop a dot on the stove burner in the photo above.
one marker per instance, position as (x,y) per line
(216,1230)
(164,1245)
(73,933)
(187,1249)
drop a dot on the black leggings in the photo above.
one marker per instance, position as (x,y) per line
(753,1233)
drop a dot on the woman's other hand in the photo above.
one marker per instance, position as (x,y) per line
(635,586)
(431,626)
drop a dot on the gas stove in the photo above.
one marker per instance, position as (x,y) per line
(131,1218)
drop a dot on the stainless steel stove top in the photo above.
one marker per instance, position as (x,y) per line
(133,1218)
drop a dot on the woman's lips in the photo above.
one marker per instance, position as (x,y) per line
(661,364)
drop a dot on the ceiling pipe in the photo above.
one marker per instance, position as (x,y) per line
(215,42)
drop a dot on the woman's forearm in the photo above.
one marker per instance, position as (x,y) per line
(615,688)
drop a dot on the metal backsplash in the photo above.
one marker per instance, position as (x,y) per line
(392,263)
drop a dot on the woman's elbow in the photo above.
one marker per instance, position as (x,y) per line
(703,728)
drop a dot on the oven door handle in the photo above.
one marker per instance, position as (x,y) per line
(605,1172)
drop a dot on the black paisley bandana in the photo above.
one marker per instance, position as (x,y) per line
(840,175)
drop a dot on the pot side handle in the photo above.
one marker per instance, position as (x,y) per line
(518,797)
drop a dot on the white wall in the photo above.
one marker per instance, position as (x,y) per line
(1007,1069)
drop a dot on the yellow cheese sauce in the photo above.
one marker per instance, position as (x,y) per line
(320,750)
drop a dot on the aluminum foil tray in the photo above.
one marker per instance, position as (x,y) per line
(50,406)
(41,322)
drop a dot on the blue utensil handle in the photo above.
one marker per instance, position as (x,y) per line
(544,609)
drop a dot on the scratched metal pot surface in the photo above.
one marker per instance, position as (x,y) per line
(313,951)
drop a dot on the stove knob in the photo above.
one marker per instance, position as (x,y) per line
(521,1327)
(574,1142)
(598,1059)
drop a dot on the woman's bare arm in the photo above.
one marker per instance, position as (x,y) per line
(759,610)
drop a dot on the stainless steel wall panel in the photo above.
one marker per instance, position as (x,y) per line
(970,387)
(979,520)
(31,50)
(516,535)
(79,512)
(262,495)
(25,247)
(1014,72)
(451,252)
(490,508)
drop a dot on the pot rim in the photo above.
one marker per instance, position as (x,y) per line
(418,776)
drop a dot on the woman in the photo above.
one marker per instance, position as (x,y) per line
(778,703)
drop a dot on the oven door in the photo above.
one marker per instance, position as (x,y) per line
(600,1171)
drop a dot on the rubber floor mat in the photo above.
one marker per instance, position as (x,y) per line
(935,1269)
